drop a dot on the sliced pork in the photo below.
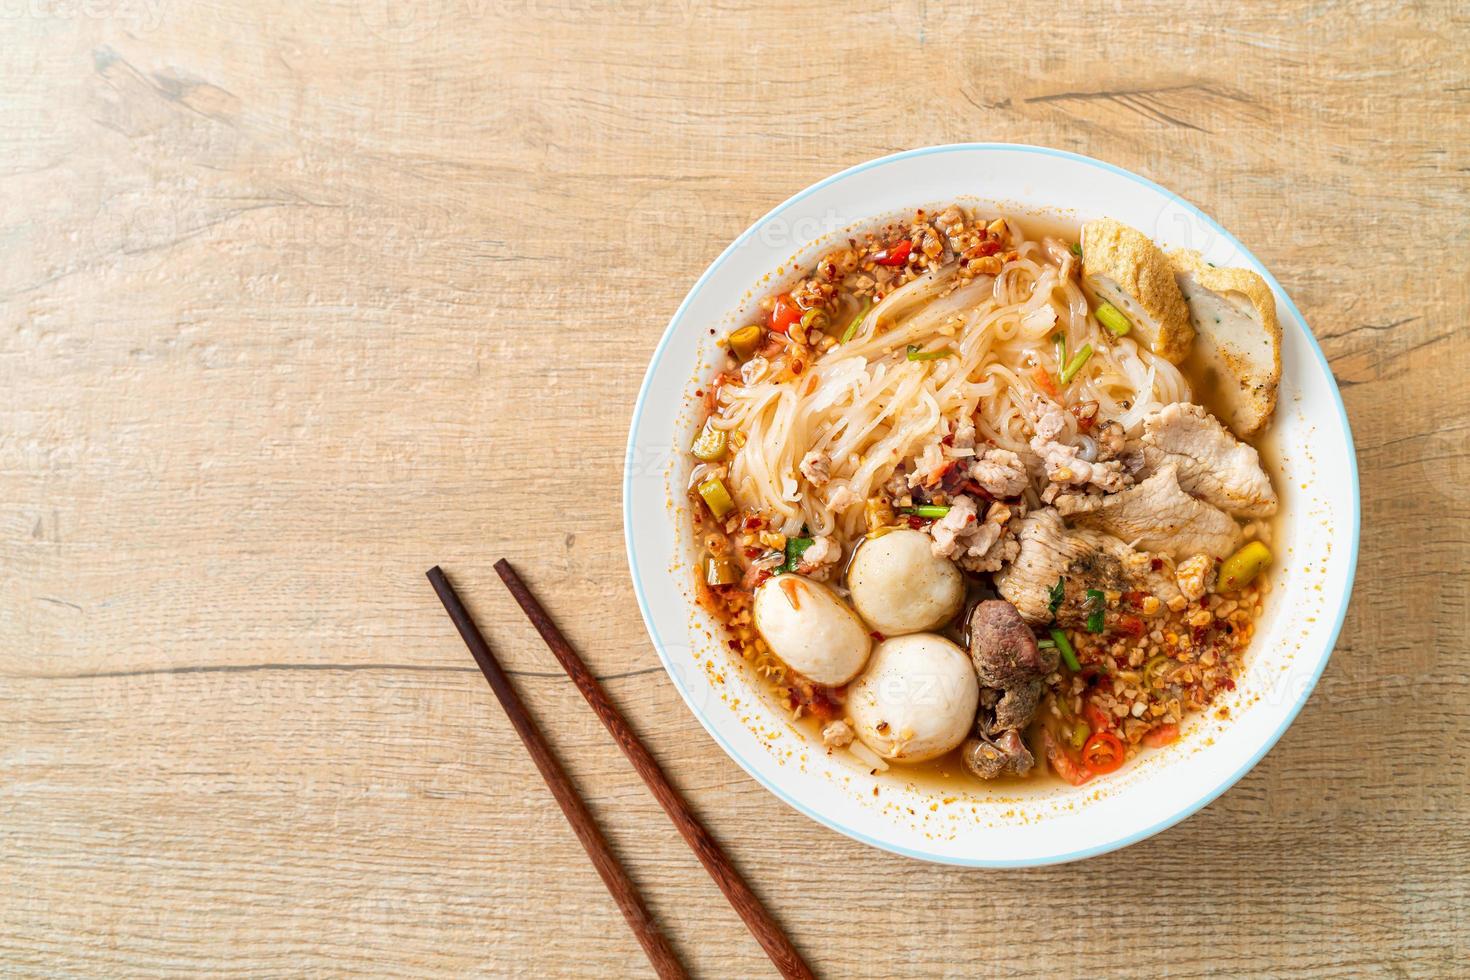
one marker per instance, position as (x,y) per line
(1157,515)
(1084,559)
(1212,464)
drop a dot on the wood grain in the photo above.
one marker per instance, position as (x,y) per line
(299,300)
(645,928)
(762,925)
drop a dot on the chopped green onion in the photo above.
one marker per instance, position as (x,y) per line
(1063,705)
(1045,644)
(1055,595)
(711,444)
(721,571)
(1111,317)
(1157,671)
(925,510)
(1077,249)
(1241,568)
(746,341)
(857,321)
(1096,603)
(1064,647)
(1081,732)
(916,353)
(716,497)
(1075,364)
(795,548)
(811,315)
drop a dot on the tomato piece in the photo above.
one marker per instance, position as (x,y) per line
(1097,718)
(897,255)
(1161,736)
(976,490)
(939,472)
(1131,625)
(1044,380)
(784,313)
(1103,752)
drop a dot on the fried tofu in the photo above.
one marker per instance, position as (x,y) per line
(1238,339)
(1125,268)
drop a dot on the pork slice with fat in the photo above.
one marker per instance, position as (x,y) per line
(1212,464)
(1157,515)
(1084,559)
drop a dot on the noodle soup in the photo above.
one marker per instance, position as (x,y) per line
(958,500)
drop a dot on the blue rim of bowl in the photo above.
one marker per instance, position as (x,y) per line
(1179,815)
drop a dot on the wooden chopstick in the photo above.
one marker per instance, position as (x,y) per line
(624,892)
(766,930)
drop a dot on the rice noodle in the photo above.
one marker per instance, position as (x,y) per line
(872,410)
(867,756)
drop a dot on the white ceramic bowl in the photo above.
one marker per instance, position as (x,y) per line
(967,823)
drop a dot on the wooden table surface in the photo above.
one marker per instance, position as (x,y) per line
(297,300)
